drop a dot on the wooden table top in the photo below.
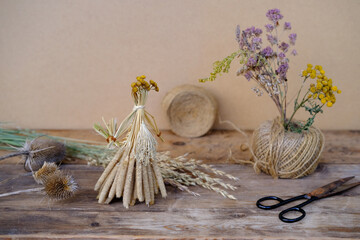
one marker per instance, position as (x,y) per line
(180,215)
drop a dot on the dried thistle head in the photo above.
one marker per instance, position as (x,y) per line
(60,186)
(45,172)
(41,150)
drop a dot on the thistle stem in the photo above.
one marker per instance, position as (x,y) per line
(21,191)
(14,155)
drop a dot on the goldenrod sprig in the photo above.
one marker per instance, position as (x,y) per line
(222,66)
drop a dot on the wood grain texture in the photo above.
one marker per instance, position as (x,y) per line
(181,215)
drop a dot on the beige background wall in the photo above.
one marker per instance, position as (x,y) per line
(64,64)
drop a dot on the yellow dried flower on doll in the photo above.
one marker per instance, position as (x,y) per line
(133,173)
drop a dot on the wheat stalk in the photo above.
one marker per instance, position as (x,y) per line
(182,172)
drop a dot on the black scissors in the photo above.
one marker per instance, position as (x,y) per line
(331,189)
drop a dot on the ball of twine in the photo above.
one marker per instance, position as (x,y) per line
(285,154)
(191,110)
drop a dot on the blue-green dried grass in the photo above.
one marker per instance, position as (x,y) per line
(75,149)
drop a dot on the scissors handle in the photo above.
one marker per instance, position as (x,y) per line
(280,203)
(292,209)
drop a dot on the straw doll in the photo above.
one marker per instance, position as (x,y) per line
(133,173)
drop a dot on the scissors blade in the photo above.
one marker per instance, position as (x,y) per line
(324,191)
(342,189)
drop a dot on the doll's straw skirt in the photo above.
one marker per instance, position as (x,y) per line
(284,154)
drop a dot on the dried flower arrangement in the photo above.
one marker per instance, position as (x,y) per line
(268,67)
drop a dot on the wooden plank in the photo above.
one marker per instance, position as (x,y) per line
(181,215)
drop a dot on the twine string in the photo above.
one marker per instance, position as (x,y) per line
(137,107)
(287,154)
(281,153)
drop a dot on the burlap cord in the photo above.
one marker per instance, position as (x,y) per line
(284,154)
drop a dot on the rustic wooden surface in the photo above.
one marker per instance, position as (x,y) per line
(181,215)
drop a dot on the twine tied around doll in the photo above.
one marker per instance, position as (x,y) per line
(136,107)
(280,153)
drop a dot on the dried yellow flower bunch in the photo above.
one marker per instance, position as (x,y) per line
(133,173)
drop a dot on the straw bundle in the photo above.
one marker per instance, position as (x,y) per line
(133,173)
(286,154)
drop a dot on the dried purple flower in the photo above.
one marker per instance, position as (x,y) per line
(274,15)
(255,44)
(269,27)
(257,32)
(250,42)
(267,52)
(242,42)
(282,55)
(248,75)
(257,40)
(283,58)
(251,62)
(258,92)
(292,38)
(271,39)
(287,26)
(249,31)
(284,47)
(282,70)
(237,33)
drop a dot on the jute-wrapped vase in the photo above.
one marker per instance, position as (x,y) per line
(285,154)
